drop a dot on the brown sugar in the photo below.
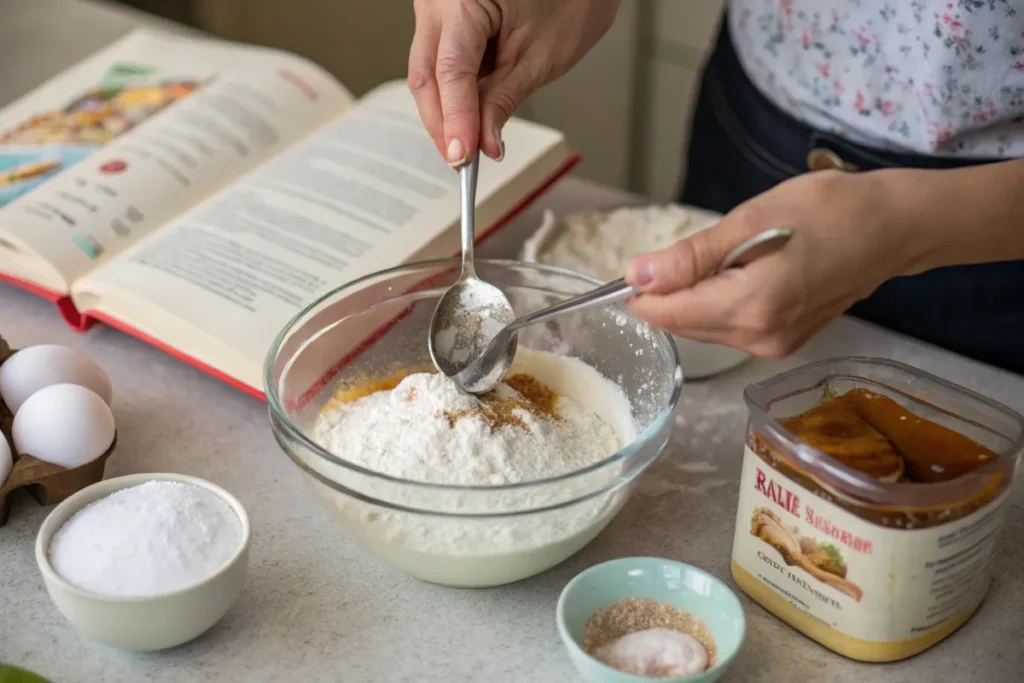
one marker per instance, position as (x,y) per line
(353,391)
(502,410)
(540,399)
(358,390)
(496,409)
(631,615)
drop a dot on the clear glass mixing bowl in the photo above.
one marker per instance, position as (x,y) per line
(464,535)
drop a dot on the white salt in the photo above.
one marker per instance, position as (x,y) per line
(659,652)
(149,539)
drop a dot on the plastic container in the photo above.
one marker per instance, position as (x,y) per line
(915,559)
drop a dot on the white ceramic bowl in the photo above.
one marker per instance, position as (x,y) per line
(143,623)
(697,359)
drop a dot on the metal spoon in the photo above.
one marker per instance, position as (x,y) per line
(490,367)
(471,312)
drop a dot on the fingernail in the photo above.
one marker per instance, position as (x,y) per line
(456,153)
(496,134)
(641,272)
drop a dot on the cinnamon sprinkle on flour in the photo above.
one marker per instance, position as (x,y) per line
(499,409)
(423,427)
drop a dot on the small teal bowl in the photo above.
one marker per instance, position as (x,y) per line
(667,581)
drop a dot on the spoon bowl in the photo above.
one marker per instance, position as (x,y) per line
(471,312)
(466,319)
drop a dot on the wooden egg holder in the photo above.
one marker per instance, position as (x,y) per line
(48,484)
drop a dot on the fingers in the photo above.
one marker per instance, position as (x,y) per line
(754,309)
(422,80)
(707,308)
(694,258)
(686,262)
(459,53)
(506,89)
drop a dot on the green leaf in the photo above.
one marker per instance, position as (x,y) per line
(11,674)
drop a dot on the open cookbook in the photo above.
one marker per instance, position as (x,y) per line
(197,194)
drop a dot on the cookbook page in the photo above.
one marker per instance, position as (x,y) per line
(108,151)
(366,192)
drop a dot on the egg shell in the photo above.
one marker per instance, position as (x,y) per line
(6,459)
(35,367)
(64,424)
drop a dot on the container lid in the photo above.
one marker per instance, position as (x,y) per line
(912,388)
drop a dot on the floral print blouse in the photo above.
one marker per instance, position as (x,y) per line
(935,77)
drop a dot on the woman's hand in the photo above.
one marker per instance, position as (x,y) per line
(536,40)
(848,238)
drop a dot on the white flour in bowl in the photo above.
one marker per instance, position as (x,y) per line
(602,243)
(426,430)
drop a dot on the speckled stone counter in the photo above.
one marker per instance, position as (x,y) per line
(318,608)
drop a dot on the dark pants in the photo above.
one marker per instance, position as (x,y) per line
(741,144)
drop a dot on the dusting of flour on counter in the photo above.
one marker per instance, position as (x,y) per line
(426,429)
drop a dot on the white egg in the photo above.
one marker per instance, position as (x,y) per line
(35,367)
(6,459)
(64,424)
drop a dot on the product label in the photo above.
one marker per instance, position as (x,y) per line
(866,581)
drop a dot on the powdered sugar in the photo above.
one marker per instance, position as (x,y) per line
(409,433)
(149,539)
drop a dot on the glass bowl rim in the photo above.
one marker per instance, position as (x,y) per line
(282,421)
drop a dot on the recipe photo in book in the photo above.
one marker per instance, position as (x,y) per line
(224,187)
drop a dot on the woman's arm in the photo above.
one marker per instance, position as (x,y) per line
(851,233)
(969,215)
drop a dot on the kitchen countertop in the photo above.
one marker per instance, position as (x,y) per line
(318,608)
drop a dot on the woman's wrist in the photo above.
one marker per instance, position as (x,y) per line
(954,217)
(905,207)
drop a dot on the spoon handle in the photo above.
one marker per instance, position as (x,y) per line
(761,244)
(467,179)
(609,293)
(756,247)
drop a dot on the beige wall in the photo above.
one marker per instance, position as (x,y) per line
(362,42)
(624,108)
(595,102)
(677,35)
